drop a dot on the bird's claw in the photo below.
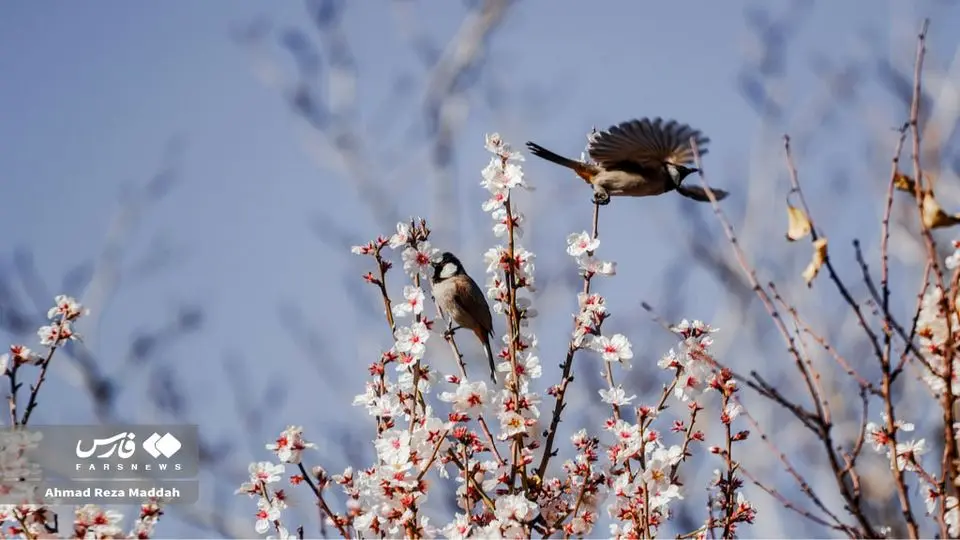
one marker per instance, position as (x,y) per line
(449,332)
(601,198)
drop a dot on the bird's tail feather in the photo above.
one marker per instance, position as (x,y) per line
(542,152)
(493,363)
(583,170)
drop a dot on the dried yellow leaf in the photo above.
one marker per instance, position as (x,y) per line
(933,216)
(908,184)
(819,257)
(904,183)
(798,225)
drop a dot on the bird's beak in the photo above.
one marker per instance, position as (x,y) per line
(694,170)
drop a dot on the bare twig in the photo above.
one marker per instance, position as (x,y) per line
(337,522)
(42,376)
(566,377)
(853,503)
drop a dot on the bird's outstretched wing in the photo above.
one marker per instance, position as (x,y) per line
(648,142)
(697,193)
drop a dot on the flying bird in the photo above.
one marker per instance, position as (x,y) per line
(638,158)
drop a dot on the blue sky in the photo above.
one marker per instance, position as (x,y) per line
(94,94)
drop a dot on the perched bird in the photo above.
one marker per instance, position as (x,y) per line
(638,158)
(462,300)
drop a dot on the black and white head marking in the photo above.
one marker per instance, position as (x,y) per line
(447,267)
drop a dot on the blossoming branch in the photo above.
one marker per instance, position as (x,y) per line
(33,517)
(510,479)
